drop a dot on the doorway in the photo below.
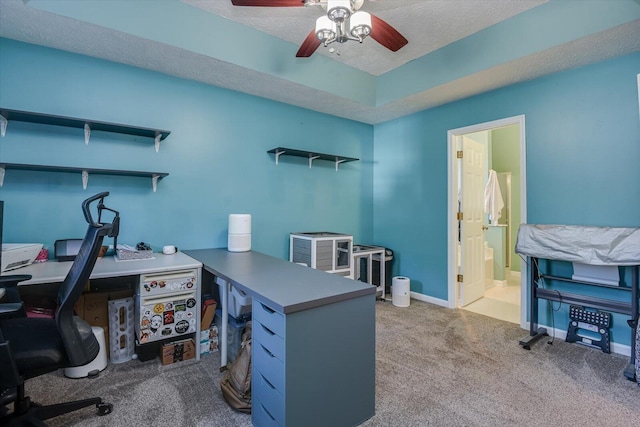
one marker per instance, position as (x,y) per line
(481,273)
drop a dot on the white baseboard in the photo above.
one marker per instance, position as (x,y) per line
(561,334)
(432,300)
(500,283)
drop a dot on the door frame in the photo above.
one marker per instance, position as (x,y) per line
(452,223)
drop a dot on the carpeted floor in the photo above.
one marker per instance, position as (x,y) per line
(435,367)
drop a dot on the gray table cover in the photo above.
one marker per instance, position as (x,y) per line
(582,244)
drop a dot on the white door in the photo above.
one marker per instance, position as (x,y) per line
(472,233)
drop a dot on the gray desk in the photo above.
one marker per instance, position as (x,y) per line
(313,342)
(108,267)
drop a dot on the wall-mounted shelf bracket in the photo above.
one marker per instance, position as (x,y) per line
(311,159)
(87,133)
(1,176)
(3,125)
(154,181)
(279,151)
(157,141)
(85,179)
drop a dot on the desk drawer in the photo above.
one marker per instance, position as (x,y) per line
(267,338)
(260,415)
(270,366)
(268,396)
(268,317)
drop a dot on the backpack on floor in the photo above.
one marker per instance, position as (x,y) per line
(236,382)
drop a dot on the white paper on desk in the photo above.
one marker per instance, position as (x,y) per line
(115,257)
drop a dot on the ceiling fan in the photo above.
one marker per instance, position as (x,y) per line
(343,22)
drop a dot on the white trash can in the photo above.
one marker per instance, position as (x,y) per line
(94,367)
(401,291)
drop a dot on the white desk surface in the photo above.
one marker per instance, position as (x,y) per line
(54,272)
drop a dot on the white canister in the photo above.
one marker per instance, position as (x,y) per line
(401,291)
(239,238)
(240,224)
(96,365)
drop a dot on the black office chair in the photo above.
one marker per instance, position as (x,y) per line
(30,347)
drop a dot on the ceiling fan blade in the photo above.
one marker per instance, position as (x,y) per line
(309,45)
(386,35)
(268,3)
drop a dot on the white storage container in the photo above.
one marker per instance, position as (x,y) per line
(401,291)
(239,238)
(94,367)
(239,302)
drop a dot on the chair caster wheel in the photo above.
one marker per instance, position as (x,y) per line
(104,408)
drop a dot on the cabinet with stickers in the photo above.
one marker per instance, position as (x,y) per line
(167,306)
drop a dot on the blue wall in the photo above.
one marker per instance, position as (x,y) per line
(582,134)
(583,149)
(216,157)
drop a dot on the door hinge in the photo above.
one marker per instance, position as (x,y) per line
(460,216)
(460,277)
(459,154)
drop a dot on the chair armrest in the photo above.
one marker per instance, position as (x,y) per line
(10,308)
(13,280)
(11,304)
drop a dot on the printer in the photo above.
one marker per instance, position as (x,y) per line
(16,255)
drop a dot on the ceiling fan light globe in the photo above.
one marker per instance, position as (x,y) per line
(360,23)
(325,29)
(339,10)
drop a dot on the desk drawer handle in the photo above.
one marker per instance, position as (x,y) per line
(267,412)
(268,383)
(267,351)
(267,330)
(267,309)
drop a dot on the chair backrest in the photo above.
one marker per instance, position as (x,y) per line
(78,352)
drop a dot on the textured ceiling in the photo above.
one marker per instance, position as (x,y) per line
(431,26)
(427,24)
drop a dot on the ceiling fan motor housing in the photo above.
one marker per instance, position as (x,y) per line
(343,22)
(339,10)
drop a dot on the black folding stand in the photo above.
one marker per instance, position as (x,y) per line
(627,308)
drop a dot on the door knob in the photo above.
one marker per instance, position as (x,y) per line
(485,228)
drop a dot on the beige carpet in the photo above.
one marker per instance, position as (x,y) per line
(435,367)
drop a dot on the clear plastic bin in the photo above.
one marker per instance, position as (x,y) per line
(234,333)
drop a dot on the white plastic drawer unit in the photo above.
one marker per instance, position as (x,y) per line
(166,305)
(168,283)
